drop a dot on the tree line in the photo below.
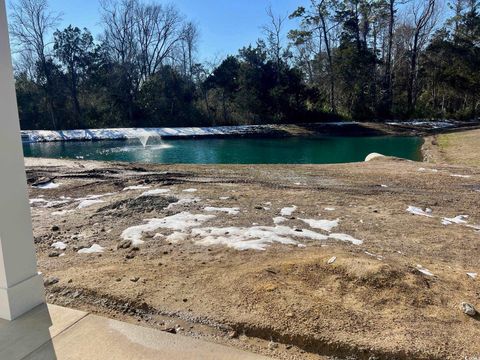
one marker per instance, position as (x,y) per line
(356,59)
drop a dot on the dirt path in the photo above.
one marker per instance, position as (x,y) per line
(388,284)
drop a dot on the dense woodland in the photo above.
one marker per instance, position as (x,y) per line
(354,59)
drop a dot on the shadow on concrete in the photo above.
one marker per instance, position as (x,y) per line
(20,338)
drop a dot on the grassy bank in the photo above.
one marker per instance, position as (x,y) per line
(457,148)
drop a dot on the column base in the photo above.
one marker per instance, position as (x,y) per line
(21,298)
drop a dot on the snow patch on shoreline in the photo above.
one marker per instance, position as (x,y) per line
(136,133)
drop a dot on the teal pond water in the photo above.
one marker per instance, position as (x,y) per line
(294,150)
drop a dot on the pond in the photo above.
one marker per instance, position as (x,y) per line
(293,150)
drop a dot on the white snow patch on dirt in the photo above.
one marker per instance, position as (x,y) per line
(59,245)
(136,187)
(279,220)
(460,219)
(325,225)
(47,186)
(36,201)
(417,211)
(62,212)
(253,238)
(179,222)
(95,248)
(460,176)
(288,211)
(346,238)
(87,203)
(424,271)
(177,237)
(184,201)
(430,170)
(155,192)
(230,211)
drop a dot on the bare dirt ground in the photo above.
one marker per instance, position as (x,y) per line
(395,294)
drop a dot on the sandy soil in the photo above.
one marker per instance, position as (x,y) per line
(397,295)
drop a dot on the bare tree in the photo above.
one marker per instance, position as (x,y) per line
(157,29)
(274,34)
(31,23)
(424,21)
(188,44)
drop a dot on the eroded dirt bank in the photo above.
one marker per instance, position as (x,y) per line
(345,269)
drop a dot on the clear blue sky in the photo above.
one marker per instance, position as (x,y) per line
(225,25)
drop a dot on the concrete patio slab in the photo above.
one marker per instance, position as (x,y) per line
(22,336)
(53,332)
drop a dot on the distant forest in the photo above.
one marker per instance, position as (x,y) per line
(353,59)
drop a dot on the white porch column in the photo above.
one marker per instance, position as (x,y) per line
(21,288)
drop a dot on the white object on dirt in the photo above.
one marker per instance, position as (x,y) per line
(288,211)
(332,260)
(461,176)
(155,192)
(87,203)
(62,212)
(472,275)
(95,248)
(346,238)
(176,237)
(417,211)
(469,309)
(325,225)
(59,245)
(431,170)
(379,257)
(373,156)
(35,201)
(424,271)
(184,201)
(136,187)
(230,211)
(279,220)
(460,219)
(47,186)
(190,190)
